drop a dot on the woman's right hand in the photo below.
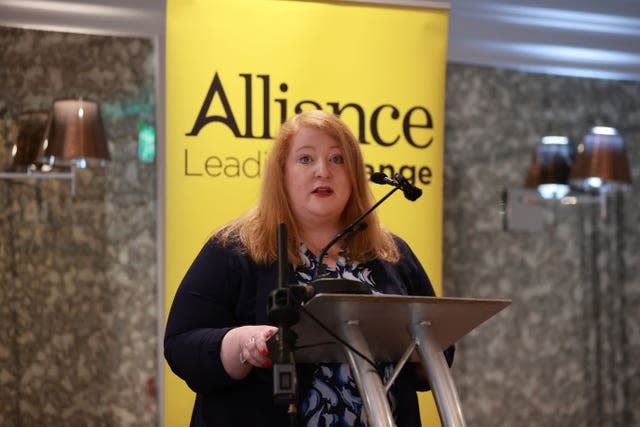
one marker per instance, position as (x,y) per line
(245,347)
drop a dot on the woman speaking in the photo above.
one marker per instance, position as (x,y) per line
(217,329)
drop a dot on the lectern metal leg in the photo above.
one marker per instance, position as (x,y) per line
(434,362)
(367,379)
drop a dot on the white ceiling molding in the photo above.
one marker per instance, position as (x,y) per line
(114,17)
(596,39)
(573,37)
(428,4)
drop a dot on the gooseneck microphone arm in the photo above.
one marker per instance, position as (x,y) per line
(399,182)
(355,227)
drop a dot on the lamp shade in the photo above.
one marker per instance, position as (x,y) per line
(550,167)
(75,135)
(602,163)
(27,151)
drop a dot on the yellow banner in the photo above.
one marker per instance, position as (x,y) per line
(237,69)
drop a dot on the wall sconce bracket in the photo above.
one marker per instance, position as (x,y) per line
(70,175)
(523,209)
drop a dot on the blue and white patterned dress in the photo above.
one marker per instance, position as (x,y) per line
(333,398)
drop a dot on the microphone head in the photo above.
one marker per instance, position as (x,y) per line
(412,193)
(379,177)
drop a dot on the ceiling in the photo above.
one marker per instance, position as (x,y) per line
(586,38)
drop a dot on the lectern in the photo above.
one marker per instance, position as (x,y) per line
(391,328)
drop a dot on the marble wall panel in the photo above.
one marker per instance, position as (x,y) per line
(564,352)
(80,285)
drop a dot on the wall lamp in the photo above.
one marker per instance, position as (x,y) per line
(600,168)
(52,145)
(550,167)
(602,164)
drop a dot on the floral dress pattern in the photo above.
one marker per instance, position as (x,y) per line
(334,399)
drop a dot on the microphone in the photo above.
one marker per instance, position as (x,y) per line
(323,284)
(382,178)
(410,191)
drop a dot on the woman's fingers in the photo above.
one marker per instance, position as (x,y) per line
(254,351)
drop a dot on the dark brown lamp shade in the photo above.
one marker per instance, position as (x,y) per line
(550,167)
(75,135)
(601,164)
(28,147)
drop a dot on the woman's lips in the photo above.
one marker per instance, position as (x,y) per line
(322,191)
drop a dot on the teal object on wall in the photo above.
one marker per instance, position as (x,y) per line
(146,142)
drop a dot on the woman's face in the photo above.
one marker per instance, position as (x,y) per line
(316,179)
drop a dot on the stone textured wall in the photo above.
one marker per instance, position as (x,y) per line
(78,273)
(565,352)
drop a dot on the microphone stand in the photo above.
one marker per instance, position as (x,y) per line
(283,311)
(324,284)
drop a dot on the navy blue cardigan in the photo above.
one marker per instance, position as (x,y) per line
(223,289)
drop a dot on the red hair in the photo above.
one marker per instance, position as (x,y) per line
(256,229)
